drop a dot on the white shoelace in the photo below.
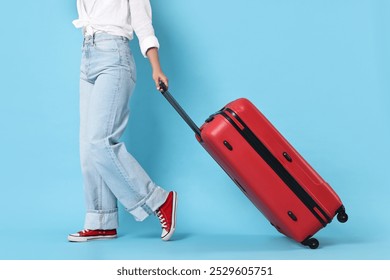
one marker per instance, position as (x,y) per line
(162,219)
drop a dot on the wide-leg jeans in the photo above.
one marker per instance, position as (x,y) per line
(110,172)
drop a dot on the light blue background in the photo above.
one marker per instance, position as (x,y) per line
(319,70)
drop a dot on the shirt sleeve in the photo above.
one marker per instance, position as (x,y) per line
(141,21)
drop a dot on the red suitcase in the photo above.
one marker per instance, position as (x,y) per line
(268,170)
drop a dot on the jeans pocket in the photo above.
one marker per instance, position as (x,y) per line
(106,45)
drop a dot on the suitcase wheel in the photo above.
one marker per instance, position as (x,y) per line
(342,217)
(311,242)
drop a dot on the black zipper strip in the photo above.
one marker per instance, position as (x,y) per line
(278,168)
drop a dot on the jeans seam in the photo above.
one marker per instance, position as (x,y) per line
(100,190)
(108,145)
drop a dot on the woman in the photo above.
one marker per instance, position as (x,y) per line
(107,80)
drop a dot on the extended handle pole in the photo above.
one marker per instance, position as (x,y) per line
(179,109)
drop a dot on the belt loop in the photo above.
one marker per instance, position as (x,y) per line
(93,39)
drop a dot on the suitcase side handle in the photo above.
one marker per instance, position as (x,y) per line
(179,109)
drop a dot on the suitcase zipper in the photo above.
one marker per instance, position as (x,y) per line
(276,166)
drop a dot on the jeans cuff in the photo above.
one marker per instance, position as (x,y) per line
(101,219)
(148,206)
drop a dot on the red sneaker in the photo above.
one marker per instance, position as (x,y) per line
(89,234)
(167,215)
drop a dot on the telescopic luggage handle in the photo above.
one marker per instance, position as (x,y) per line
(179,109)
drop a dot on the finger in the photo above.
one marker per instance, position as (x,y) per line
(164,80)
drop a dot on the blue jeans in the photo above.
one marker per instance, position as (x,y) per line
(110,173)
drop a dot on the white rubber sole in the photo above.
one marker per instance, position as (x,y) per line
(73,238)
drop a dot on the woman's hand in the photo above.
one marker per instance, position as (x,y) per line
(158,77)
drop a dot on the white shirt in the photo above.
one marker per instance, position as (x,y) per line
(118,17)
